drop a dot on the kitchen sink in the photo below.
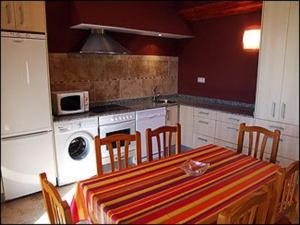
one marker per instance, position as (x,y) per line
(165,101)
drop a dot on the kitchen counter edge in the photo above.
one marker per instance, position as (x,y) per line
(245,111)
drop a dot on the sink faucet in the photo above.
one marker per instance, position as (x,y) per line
(155,94)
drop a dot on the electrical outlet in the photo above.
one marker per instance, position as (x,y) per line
(201,80)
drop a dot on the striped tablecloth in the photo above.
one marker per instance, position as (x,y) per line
(160,192)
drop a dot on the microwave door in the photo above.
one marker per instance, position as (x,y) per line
(71,104)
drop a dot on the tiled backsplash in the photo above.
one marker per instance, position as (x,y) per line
(113,77)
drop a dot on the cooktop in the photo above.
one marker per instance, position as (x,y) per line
(107,108)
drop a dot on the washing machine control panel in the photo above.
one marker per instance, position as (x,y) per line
(67,126)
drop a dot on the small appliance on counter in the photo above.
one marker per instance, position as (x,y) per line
(69,102)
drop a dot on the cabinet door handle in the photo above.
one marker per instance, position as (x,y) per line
(283,110)
(273,109)
(18,41)
(167,114)
(230,118)
(202,139)
(276,127)
(8,12)
(21,14)
(62,129)
(205,113)
(201,121)
(232,128)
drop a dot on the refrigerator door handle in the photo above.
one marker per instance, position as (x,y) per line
(26,135)
(27,73)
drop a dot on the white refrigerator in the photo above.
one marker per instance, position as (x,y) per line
(27,146)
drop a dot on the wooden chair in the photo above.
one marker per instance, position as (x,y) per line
(252,209)
(258,150)
(57,209)
(286,203)
(117,139)
(156,133)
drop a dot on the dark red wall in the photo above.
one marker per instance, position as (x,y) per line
(158,16)
(63,39)
(146,45)
(216,53)
(60,37)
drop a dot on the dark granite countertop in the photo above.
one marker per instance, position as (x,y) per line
(146,103)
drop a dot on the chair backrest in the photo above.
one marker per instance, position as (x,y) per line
(287,192)
(251,209)
(116,140)
(257,150)
(57,209)
(166,148)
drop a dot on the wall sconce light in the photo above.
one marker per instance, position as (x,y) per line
(251,39)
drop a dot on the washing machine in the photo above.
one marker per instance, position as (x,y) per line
(75,149)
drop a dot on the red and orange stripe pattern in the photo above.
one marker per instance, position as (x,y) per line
(160,192)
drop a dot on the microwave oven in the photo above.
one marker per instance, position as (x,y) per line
(69,102)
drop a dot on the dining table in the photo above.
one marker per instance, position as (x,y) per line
(161,192)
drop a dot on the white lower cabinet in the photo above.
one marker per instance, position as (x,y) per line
(205,113)
(172,119)
(201,140)
(285,129)
(203,126)
(227,132)
(227,127)
(225,144)
(186,121)
(229,145)
(283,162)
(288,149)
(171,115)
(234,118)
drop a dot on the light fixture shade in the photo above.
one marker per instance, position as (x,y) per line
(251,39)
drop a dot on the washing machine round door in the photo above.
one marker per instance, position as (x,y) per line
(79,147)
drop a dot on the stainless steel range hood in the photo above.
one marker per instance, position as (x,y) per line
(100,43)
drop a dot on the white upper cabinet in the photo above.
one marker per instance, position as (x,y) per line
(277,94)
(289,109)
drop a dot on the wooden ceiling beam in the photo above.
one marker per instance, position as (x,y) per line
(219,9)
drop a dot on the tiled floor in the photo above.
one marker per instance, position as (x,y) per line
(30,209)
